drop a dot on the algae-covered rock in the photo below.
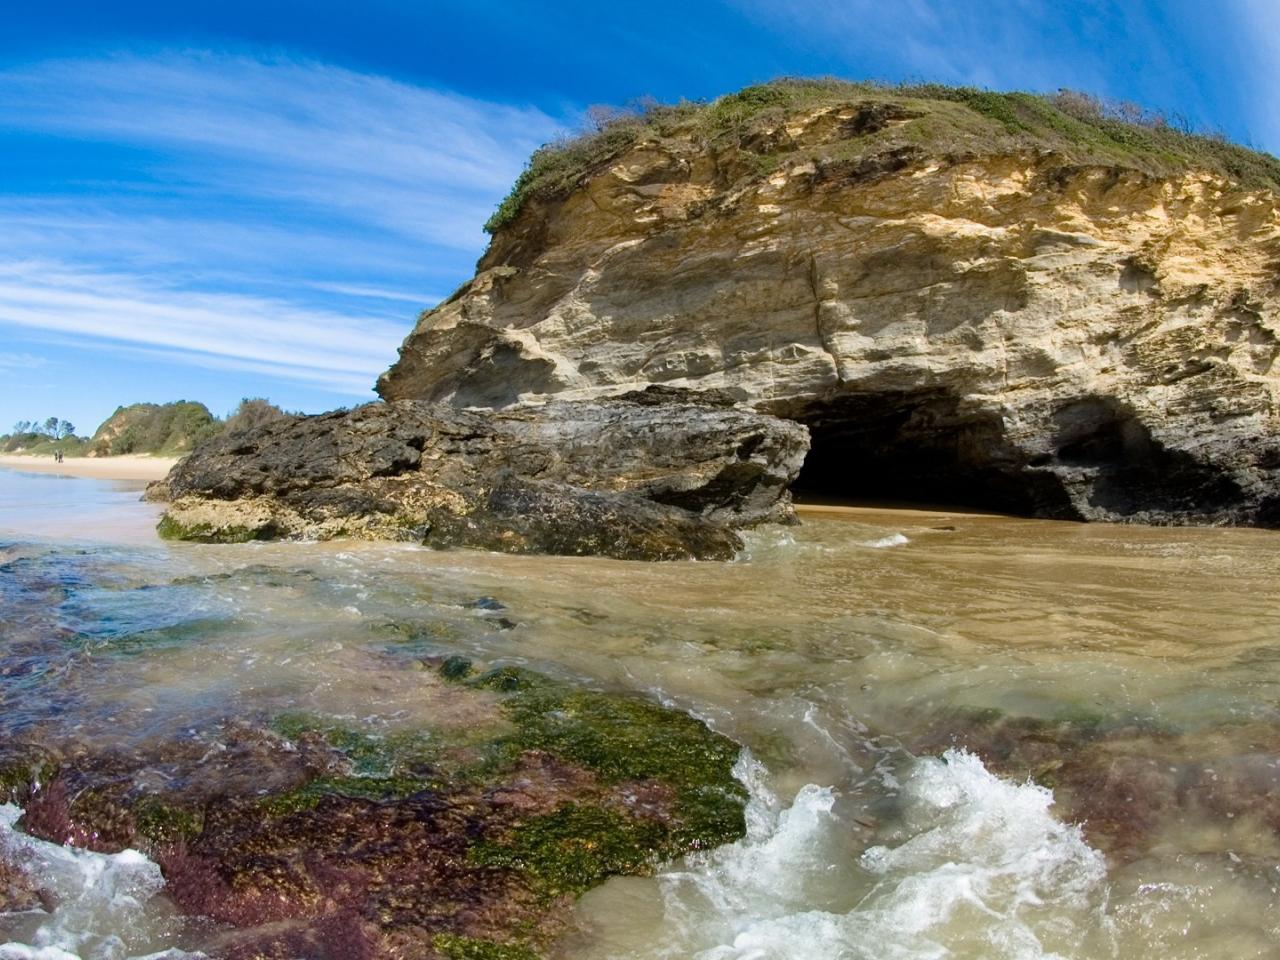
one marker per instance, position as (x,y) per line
(1127,780)
(318,837)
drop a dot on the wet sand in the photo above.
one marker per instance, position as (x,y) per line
(98,468)
(877,512)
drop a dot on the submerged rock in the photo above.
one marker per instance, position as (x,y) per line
(313,837)
(967,298)
(651,477)
(1131,784)
(18,892)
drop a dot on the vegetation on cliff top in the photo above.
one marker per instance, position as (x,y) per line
(936,119)
(44,437)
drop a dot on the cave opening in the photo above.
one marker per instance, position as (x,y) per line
(1097,459)
(921,448)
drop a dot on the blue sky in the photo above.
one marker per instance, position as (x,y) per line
(212,201)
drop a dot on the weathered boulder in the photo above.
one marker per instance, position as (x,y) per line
(967,297)
(654,476)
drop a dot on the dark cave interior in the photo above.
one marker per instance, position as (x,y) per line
(928,448)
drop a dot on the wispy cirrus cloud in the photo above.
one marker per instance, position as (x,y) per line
(21,361)
(217,330)
(426,164)
(271,215)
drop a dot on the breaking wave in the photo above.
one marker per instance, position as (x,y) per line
(979,868)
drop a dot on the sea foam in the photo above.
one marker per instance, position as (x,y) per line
(892,540)
(980,868)
(101,901)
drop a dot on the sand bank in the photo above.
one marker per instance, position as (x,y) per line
(100,468)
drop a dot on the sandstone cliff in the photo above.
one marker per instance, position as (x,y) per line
(966,298)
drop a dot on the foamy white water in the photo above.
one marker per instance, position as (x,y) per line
(103,904)
(893,540)
(979,867)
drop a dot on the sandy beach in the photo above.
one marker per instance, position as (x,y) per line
(872,512)
(99,468)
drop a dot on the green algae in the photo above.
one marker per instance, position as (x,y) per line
(164,823)
(620,739)
(382,767)
(416,639)
(576,847)
(371,755)
(516,817)
(455,947)
(174,636)
(171,529)
(455,668)
(379,789)
(19,777)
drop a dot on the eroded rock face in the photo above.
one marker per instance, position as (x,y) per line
(655,476)
(1015,331)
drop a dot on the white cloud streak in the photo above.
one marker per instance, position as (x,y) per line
(21,361)
(423,163)
(379,293)
(215,330)
(274,216)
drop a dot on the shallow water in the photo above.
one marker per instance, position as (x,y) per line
(870,661)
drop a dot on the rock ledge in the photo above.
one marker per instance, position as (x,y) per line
(658,475)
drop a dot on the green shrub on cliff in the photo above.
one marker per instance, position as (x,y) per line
(939,120)
(554,169)
(252,412)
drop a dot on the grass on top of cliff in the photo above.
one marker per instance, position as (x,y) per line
(935,119)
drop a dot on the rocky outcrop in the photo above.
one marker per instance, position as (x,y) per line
(658,475)
(1051,329)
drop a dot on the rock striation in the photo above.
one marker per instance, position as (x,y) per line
(966,299)
(657,475)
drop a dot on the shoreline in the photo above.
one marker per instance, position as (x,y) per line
(870,510)
(127,467)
